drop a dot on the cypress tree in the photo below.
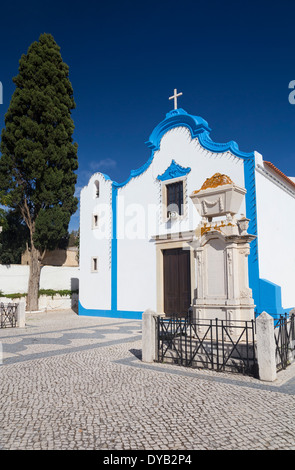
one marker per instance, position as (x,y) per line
(13,238)
(39,157)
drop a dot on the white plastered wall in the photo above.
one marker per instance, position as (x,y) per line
(136,250)
(137,289)
(276,234)
(14,278)
(95,287)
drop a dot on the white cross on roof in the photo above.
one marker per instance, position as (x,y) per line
(175,97)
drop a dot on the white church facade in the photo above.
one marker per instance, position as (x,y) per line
(135,250)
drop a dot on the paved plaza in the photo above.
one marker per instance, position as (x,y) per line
(70,382)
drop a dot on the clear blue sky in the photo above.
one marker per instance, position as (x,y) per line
(233,61)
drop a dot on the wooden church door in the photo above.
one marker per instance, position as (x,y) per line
(177,281)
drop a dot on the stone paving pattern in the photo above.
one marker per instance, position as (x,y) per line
(70,382)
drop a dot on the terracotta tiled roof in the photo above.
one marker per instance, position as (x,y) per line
(279,172)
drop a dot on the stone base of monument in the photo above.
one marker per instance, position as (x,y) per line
(221,245)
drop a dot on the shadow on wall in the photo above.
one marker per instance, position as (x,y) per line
(75,297)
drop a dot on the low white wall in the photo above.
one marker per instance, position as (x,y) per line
(48,302)
(14,278)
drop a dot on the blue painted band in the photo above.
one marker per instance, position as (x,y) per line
(109,313)
(114,253)
(251,213)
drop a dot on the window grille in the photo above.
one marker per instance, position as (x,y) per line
(175,197)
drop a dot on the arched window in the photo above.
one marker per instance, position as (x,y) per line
(94,264)
(94,220)
(96,189)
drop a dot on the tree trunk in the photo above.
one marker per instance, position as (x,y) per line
(34,280)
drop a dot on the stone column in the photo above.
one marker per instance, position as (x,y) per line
(200,275)
(149,336)
(266,347)
(21,315)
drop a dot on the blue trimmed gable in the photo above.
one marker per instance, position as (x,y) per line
(176,118)
(197,126)
(200,129)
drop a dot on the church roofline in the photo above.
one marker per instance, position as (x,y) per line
(280,173)
(197,126)
(176,118)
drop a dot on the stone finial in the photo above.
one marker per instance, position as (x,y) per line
(218,196)
(216,180)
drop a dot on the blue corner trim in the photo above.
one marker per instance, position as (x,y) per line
(173,171)
(114,248)
(109,313)
(251,213)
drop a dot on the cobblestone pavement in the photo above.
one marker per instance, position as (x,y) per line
(70,382)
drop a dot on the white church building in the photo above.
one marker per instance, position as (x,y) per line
(134,236)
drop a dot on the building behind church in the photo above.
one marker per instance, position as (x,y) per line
(134,251)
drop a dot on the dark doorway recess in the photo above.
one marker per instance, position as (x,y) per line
(177,281)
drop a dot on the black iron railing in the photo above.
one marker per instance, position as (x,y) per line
(214,344)
(285,340)
(8,315)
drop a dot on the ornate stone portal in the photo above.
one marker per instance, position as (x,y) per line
(221,250)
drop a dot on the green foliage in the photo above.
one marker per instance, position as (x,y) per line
(4,201)
(39,158)
(48,292)
(62,293)
(51,227)
(13,238)
(13,296)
